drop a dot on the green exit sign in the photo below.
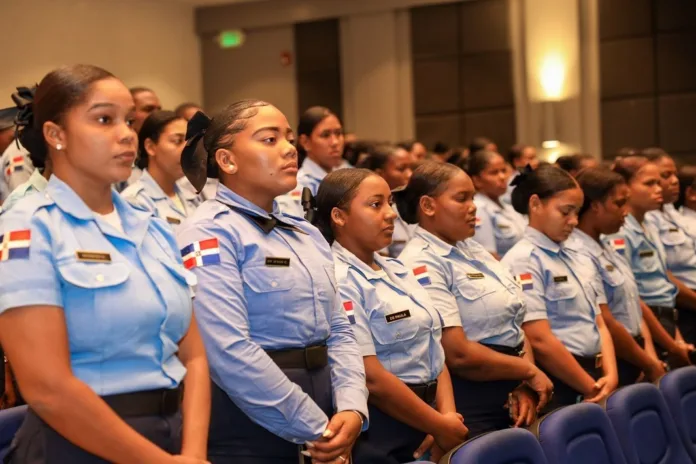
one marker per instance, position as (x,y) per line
(231,39)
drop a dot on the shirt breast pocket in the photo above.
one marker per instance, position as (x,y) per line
(92,293)
(268,295)
(560,298)
(613,278)
(673,237)
(396,336)
(474,310)
(504,230)
(647,261)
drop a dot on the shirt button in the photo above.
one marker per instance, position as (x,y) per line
(398,334)
(100,278)
(274,284)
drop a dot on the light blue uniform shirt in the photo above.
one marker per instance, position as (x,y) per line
(470,288)
(680,251)
(554,290)
(309,175)
(36,183)
(687,218)
(16,168)
(147,193)
(506,198)
(125,295)
(209,189)
(498,226)
(268,292)
(643,250)
(612,274)
(393,316)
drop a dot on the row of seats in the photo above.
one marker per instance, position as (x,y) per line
(637,424)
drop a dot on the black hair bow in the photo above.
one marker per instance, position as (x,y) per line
(194,157)
(522,176)
(309,205)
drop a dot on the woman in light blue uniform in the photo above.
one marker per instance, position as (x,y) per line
(479,301)
(320,146)
(686,203)
(603,212)
(563,322)
(96,289)
(680,248)
(394,164)
(498,225)
(639,242)
(161,139)
(397,327)
(286,370)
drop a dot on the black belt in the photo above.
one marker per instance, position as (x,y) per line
(510,351)
(309,358)
(664,311)
(589,363)
(163,402)
(425,391)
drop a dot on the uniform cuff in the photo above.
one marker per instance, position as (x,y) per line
(36,296)
(535,316)
(348,399)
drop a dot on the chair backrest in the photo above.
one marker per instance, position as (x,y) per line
(679,390)
(644,426)
(578,434)
(10,421)
(501,447)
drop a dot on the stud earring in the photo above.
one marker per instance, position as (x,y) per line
(59,147)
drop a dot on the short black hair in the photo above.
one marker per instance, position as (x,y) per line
(628,166)
(479,143)
(654,153)
(545,182)
(429,178)
(516,152)
(152,128)
(479,161)
(337,190)
(597,184)
(308,121)
(378,156)
(573,162)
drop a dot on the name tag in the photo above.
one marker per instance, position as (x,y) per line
(503,227)
(173,220)
(646,254)
(560,279)
(93,257)
(475,275)
(398,242)
(609,268)
(278,262)
(674,229)
(393,317)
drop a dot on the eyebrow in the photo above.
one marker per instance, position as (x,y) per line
(288,131)
(97,106)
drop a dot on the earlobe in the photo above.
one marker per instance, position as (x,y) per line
(427,205)
(226,161)
(303,141)
(53,134)
(337,217)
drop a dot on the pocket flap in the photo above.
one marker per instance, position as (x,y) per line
(93,275)
(264,279)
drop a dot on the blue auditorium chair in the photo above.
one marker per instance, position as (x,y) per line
(502,447)
(578,434)
(644,426)
(679,389)
(10,420)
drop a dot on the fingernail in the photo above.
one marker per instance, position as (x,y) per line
(309,444)
(306,453)
(327,433)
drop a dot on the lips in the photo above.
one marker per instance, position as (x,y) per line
(127,156)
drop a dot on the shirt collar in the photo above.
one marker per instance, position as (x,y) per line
(632,224)
(484,199)
(135,221)
(349,258)
(154,191)
(228,197)
(312,169)
(38,181)
(579,239)
(440,246)
(541,240)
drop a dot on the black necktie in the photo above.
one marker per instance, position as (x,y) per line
(265,224)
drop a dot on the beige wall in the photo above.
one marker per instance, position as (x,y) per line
(252,71)
(143,42)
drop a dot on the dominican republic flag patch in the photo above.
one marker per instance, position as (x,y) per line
(619,245)
(15,245)
(297,194)
(526,281)
(350,312)
(15,164)
(203,253)
(422,275)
